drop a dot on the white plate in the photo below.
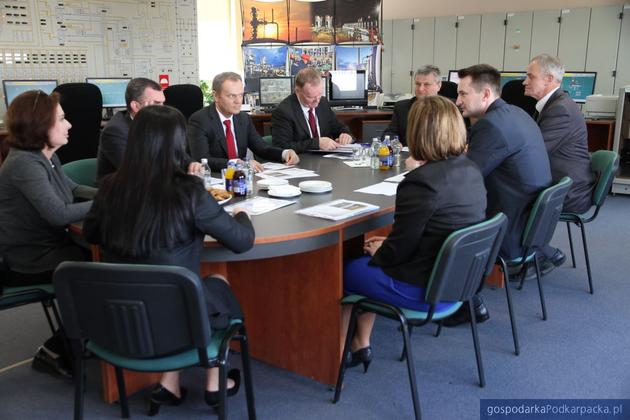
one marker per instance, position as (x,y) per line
(284,191)
(224,201)
(266,183)
(315,186)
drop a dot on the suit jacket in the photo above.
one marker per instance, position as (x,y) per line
(564,131)
(206,138)
(431,202)
(290,129)
(112,144)
(509,149)
(398,125)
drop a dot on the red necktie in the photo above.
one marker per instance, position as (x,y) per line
(229,138)
(312,123)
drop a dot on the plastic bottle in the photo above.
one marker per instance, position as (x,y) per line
(239,182)
(396,148)
(385,156)
(249,174)
(229,176)
(206,174)
(374,162)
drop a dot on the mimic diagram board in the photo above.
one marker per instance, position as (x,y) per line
(69,40)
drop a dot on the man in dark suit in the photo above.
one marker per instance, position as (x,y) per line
(140,92)
(564,131)
(304,120)
(508,147)
(219,132)
(428,82)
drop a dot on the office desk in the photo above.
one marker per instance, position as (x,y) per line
(353,119)
(600,134)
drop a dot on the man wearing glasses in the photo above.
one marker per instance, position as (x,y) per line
(220,132)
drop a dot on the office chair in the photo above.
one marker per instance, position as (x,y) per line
(83,171)
(186,98)
(513,92)
(83,105)
(144,318)
(604,164)
(538,231)
(465,259)
(448,90)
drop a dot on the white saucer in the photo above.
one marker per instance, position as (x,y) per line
(224,201)
(315,186)
(266,183)
(284,191)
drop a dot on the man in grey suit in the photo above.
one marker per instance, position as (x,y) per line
(564,131)
(220,132)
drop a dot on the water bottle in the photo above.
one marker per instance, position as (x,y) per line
(374,163)
(396,148)
(249,175)
(206,174)
(384,155)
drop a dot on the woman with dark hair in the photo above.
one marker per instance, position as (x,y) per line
(152,212)
(37,203)
(443,191)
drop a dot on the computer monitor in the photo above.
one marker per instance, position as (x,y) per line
(112,90)
(13,88)
(348,88)
(507,76)
(273,90)
(325,86)
(579,84)
(453,77)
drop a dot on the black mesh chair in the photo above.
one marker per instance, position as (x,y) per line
(604,164)
(465,259)
(83,106)
(448,90)
(186,98)
(513,92)
(539,229)
(144,318)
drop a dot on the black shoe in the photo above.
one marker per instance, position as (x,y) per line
(363,355)
(212,397)
(558,258)
(162,396)
(44,362)
(462,316)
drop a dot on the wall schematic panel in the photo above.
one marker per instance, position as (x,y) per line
(623,59)
(445,49)
(401,55)
(423,33)
(74,39)
(573,38)
(518,35)
(492,40)
(604,30)
(545,33)
(468,38)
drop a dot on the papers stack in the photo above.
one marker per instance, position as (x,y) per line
(259,205)
(338,209)
(287,173)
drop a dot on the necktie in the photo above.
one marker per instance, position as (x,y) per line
(229,138)
(536,116)
(312,123)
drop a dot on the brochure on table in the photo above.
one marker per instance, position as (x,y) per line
(338,209)
(259,205)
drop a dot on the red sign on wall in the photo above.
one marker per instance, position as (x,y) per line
(164,80)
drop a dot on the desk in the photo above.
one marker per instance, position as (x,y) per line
(600,134)
(353,119)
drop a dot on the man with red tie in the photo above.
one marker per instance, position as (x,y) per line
(219,132)
(304,120)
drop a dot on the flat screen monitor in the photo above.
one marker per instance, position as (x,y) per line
(112,90)
(507,76)
(13,88)
(579,84)
(348,88)
(452,76)
(273,90)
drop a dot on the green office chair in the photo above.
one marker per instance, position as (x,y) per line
(465,259)
(144,318)
(604,165)
(83,171)
(539,229)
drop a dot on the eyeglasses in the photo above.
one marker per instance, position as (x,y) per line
(36,99)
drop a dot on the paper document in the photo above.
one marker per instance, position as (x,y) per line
(259,205)
(398,178)
(273,166)
(357,164)
(338,209)
(382,188)
(337,156)
(287,173)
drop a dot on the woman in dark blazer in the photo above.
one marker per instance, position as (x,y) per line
(443,191)
(152,212)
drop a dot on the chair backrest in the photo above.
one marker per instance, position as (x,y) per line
(138,311)
(83,171)
(513,92)
(448,90)
(544,216)
(604,164)
(83,105)
(466,257)
(268,139)
(186,98)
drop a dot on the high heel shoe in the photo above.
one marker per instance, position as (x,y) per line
(363,355)
(162,396)
(212,397)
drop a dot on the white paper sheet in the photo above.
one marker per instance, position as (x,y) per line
(259,205)
(382,188)
(398,178)
(338,209)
